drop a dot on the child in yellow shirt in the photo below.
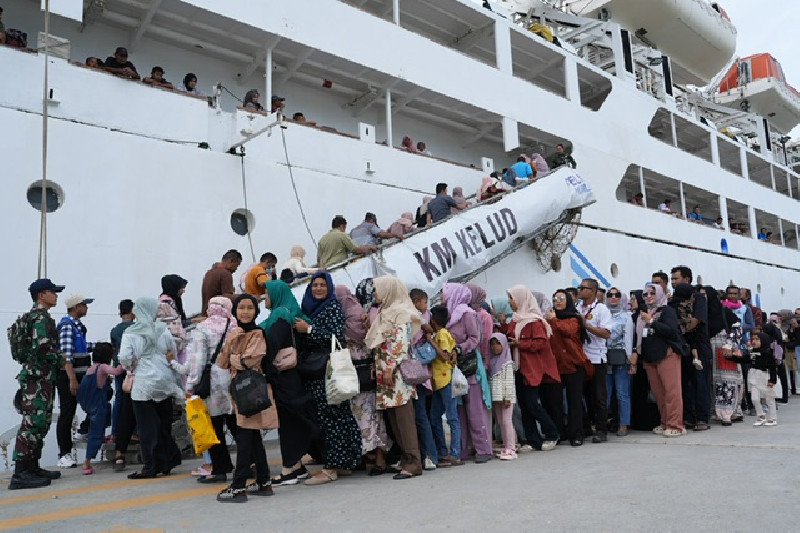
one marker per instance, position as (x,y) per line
(443,401)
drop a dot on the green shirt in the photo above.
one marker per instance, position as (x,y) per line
(334,247)
(45,359)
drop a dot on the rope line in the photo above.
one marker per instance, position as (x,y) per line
(247,211)
(41,270)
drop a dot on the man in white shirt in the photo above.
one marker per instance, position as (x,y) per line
(666,207)
(598,321)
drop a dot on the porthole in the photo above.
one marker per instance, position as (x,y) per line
(555,263)
(699,280)
(758,288)
(53,193)
(242,222)
(614,270)
(783,291)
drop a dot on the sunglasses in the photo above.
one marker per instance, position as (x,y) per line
(614,294)
(583,287)
(559,298)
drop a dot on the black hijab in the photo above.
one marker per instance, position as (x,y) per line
(766,344)
(171,285)
(641,305)
(186,79)
(682,292)
(571,312)
(247,326)
(716,313)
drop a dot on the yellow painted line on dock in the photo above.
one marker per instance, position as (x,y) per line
(48,495)
(95,508)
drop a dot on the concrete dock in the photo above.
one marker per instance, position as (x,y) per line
(739,478)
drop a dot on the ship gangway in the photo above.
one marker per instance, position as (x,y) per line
(473,240)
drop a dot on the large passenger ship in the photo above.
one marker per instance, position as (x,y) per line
(144,181)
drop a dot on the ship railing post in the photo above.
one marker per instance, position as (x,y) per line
(743,162)
(780,229)
(714,149)
(772,176)
(389,141)
(683,199)
(723,212)
(674,129)
(571,82)
(396,11)
(268,79)
(641,186)
(751,215)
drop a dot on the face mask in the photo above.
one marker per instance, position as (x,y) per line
(270,270)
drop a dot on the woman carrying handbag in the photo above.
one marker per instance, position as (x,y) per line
(296,410)
(244,350)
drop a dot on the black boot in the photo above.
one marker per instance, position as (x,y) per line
(23,478)
(41,472)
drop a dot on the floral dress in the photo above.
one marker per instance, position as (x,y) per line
(394,348)
(371,423)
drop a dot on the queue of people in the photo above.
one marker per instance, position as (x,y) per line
(549,370)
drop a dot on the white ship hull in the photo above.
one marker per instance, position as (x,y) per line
(136,207)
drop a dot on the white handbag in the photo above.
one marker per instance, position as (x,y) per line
(341,378)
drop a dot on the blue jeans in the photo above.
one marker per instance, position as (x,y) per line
(97,429)
(621,381)
(427,446)
(443,403)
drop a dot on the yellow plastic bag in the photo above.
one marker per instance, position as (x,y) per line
(202,430)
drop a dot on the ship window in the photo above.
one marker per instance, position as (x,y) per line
(661,126)
(692,138)
(594,88)
(54,196)
(630,185)
(729,155)
(699,280)
(759,170)
(555,263)
(758,289)
(614,270)
(783,291)
(242,221)
(738,218)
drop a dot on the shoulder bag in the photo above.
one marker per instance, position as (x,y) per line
(425,353)
(341,379)
(249,392)
(312,364)
(365,368)
(127,383)
(286,358)
(203,386)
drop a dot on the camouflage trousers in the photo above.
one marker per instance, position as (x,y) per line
(37,414)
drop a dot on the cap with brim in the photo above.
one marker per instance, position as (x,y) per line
(77,299)
(43,284)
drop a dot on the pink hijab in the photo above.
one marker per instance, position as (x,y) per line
(354,329)
(457,298)
(408,145)
(486,182)
(219,312)
(527,309)
(403,225)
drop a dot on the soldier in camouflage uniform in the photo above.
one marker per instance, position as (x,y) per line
(40,362)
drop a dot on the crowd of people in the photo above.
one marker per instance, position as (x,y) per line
(508,375)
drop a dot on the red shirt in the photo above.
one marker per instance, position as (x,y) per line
(536,359)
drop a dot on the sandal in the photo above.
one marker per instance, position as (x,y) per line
(701,426)
(119,464)
(377,471)
(140,475)
(322,477)
(672,432)
(402,475)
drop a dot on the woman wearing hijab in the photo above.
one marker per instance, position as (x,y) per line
(566,342)
(621,363)
(473,412)
(542,301)
(403,225)
(461,201)
(485,320)
(145,350)
(342,439)
(296,409)
(529,333)
(644,411)
(540,165)
(763,379)
(203,346)
(170,311)
(172,288)
(659,345)
(422,212)
(189,85)
(389,338)
(245,347)
(374,440)
(728,354)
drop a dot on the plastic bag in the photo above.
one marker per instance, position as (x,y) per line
(458,384)
(202,430)
(341,378)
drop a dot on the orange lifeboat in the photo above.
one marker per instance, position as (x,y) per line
(757,83)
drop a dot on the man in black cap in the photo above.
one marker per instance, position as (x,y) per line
(34,344)
(119,64)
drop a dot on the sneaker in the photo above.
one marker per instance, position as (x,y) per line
(480,459)
(771,423)
(67,461)
(231,495)
(671,432)
(508,455)
(201,472)
(549,445)
(259,489)
(429,465)
(658,430)
(284,480)
(47,474)
(80,437)
(27,480)
(761,421)
(525,448)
